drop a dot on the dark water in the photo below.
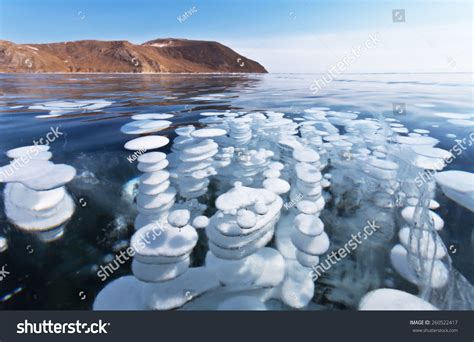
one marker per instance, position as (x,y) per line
(62,274)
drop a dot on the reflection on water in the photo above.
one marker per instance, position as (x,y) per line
(62,274)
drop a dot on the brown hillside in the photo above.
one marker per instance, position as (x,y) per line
(160,55)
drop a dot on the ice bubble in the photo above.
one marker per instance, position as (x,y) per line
(458,186)
(198,149)
(246,218)
(152,116)
(310,245)
(401,130)
(208,133)
(273,271)
(306,155)
(433,205)
(154,178)
(421,131)
(145,126)
(431,271)
(29,151)
(383,164)
(277,185)
(151,157)
(241,272)
(260,208)
(179,218)
(391,299)
(308,173)
(241,196)
(277,166)
(432,152)
(153,167)
(159,272)
(154,244)
(129,293)
(297,288)
(37,201)
(430,158)
(307,207)
(3,244)
(150,142)
(428,245)
(38,174)
(423,140)
(156,204)
(408,213)
(309,225)
(121,294)
(271,173)
(35,220)
(200,222)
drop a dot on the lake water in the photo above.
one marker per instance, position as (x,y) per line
(62,274)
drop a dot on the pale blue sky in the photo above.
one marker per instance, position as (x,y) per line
(285,36)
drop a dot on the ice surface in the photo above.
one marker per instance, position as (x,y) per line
(258,178)
(244,303)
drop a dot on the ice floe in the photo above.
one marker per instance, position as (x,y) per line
(59,108)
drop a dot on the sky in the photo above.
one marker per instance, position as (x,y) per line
(292,36)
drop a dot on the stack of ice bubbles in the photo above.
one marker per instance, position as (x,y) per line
(279,192)
(36,199)
(155,195)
